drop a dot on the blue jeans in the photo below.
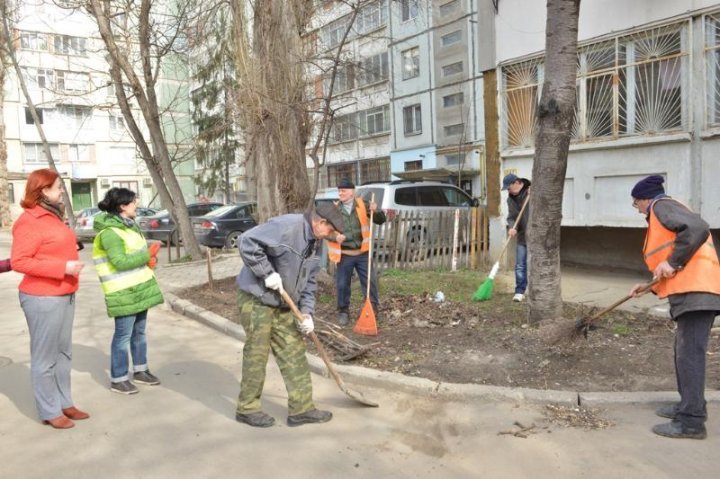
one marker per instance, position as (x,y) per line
(343,275)
(129,334)
(521,269)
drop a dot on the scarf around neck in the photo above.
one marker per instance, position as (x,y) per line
(58,210)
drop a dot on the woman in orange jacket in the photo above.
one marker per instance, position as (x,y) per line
(44,249)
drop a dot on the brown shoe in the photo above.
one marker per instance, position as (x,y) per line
(60,422)
(74,413)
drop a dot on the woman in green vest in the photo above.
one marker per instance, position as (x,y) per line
(124,265)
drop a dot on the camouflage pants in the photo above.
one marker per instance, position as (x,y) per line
(273,329)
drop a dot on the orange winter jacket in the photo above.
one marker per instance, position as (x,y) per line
(700,275)
(42,245)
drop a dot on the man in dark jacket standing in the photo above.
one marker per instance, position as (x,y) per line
(518,189)
(679,251)
(280,255)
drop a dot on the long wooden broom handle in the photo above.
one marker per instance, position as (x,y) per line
(367,294)
(517,220)
(644,288)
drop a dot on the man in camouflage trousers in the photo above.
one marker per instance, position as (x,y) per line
(280,255)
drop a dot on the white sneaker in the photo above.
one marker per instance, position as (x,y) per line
(518,297)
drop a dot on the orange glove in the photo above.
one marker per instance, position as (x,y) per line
(154,248)
(152,263)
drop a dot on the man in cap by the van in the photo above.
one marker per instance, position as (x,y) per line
(280,255)
(518,189)
(350,251)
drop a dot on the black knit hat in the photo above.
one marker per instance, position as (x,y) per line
(648,188)
(330,213)
(346,184)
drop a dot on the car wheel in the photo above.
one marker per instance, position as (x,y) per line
(231,240)
(417,245)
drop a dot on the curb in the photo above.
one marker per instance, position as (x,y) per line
(425,387)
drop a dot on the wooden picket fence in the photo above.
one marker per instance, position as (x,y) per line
(432,240)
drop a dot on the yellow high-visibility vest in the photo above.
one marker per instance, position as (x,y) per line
(112,280)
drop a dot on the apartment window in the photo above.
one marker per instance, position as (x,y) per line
(11,193)
(411,63)
(34,153)
(412,120)
(454,130)
(76,116)
(375,120)
(452,69)
(34,41)
(409,9)
(79,153)
(373,69)
(712,62)
(375,170)
(337,172)
(371,17)
(126,87)
(345,128)
(449,7)
(117,122)
(629,85)
(451,38)
(68,45)
(455,99)
(454,160)
(29,119)
(72,81)
(414,165)
(40,77)
(333,33)
(344,80)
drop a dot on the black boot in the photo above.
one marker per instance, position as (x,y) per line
(677,430)
(255,419)
(312,416)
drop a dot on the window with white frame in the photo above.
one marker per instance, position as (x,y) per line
(373,69)
(79,152)
(77,116)
(34,41)
(712,67)
(410,63)
(449,7)
(68,81)
(35,154)
(117,122)
(451,38)
(344,79)
(375,120)
(40,77)
(332,34)
(454,130)
(28,116)
(452,69)
(409,9)
(454,159)
(371,17)
(412,120)
(345,128)
(68,45)
(630,85)
(454,99)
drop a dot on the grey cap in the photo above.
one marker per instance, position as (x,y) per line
(508,180)
(330,213)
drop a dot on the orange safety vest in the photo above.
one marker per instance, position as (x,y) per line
(700,275)
(334,251)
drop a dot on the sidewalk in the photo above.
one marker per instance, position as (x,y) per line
(185,428)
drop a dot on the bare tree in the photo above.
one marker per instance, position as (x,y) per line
(556,113)
(10,52)
(5,218)
(153,41)
(270,51)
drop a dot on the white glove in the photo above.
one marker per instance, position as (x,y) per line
(306,326)
(274,282)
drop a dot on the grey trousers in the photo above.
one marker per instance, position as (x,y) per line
(50,321)
(691,343)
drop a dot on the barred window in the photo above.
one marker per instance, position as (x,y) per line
(712,62)
(630,85)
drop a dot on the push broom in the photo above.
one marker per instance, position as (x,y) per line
(484,292)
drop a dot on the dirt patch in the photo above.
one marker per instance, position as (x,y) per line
(463,342)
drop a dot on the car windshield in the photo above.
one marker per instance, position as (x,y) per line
(220,211)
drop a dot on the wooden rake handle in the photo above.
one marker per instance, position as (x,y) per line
(517,221)
(585,323)
(370,251)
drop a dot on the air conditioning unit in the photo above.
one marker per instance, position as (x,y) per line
(147,182)
(105,182)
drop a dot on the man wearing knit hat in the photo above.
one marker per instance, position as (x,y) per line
(350,252)
(679,251)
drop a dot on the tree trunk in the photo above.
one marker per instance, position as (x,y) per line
(144,91)
(556,113)
(271,97)
(5,218)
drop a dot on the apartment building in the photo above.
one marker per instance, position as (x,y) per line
(63,62)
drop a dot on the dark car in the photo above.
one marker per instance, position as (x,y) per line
(223,226)
(159,226)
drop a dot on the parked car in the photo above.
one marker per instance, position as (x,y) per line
(423,198)
(85,220)
(161,225)
(222,227)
